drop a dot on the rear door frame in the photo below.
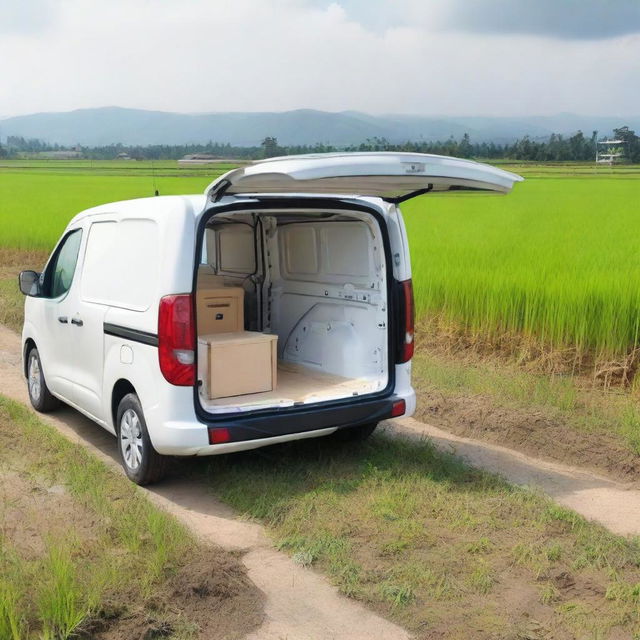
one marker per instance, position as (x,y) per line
(267,202)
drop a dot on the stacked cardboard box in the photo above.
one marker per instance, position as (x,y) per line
(238,361)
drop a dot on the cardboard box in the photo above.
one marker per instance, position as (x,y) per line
(239,363)
(220,310)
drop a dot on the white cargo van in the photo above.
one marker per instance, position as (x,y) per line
(276,306)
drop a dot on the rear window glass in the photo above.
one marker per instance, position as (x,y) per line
(121,264)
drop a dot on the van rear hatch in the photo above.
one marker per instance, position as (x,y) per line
(394,177)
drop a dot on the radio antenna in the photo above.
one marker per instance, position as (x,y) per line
(153,175)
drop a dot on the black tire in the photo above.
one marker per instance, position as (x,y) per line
(41,398)
(141,462)
(354,434)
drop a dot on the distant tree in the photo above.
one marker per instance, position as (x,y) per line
(464,148)
(631,144)
(270,146)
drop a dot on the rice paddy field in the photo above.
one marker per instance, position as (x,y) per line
(557,260)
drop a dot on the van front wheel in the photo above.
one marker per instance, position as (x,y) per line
(142,463)
(41,398)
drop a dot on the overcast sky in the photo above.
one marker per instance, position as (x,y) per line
(451,57)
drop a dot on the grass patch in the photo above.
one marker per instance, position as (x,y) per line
(510,385)
(11,304)
(63,601)
(12,261)
(435,545)
(83,551)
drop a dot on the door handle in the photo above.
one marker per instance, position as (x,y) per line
(63,319)
(77,322)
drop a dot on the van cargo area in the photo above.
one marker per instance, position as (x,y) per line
(291,309)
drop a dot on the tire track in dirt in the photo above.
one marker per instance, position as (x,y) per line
(300,604)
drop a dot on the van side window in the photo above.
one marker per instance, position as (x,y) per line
(63,265)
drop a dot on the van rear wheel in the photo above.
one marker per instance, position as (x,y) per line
(41,398)
(355,434)
(142,463)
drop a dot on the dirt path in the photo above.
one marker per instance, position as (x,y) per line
(300,604)
(614,504)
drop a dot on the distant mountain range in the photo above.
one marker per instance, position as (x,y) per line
(108,125)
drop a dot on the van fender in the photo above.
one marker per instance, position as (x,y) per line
(28,338)
(137,364)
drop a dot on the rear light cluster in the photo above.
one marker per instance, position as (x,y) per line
(398,408)
(405,322)
(176,340)
(219,435)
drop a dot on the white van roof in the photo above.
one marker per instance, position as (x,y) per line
(389,175)
(154,207)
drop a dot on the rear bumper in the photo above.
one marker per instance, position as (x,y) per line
(250,432)
(245,445)
(289,421)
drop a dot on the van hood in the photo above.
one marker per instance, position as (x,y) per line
(392,176)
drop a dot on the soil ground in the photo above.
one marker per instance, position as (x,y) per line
(491,396)
(532,431)
(207,595)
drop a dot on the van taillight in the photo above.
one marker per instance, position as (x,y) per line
(176,340)
(405,322)
(399,408)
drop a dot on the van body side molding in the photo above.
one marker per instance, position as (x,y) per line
(131,334)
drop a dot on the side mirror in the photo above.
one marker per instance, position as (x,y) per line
(29,283)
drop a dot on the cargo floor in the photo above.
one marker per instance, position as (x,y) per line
(296,384)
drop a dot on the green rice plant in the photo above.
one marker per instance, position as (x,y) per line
(62,600)
(36,206)
(556,260)
(12,624)
(630,427)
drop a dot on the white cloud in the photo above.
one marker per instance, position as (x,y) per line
(26,16)
(271,55)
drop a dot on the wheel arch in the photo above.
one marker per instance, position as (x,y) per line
(29,344)
(121,388)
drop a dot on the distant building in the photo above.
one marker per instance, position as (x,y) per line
(611,153)
(59,155)
(199,158)
(123,156)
